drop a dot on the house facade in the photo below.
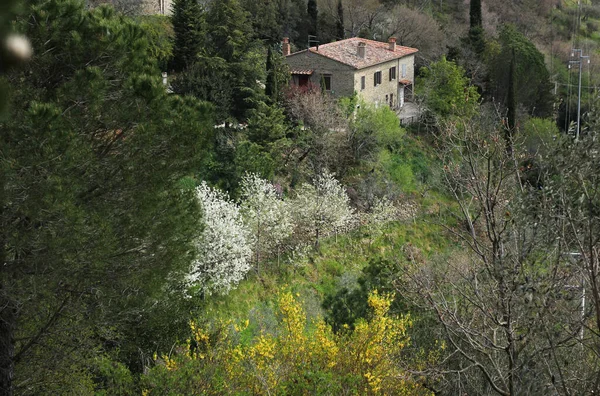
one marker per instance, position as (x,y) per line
(381,73)
(137,7)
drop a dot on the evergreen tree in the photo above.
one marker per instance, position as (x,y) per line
(271,88)
(511,105)
(313,17)
(188,22)
(475,18)
(93,220)
(340,21)
(476,32)
(531,77)
(229,33)
(264,16)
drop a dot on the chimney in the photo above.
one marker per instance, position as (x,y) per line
(362,49)
(392,42)
(285,46)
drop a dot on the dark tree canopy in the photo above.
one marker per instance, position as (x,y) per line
(341,34)
(313,17)
(531,77)
(93,219)
(188,25)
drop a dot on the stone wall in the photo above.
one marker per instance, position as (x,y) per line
(377,94)
(342,76)
(137,7)
(345,80)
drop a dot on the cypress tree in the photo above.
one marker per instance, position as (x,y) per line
(475,18)
(476,27)
(271,86)
(511,104)
(188,25)
(313,15)
(340,21)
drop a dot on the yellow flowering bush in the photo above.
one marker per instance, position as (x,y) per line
(297,358)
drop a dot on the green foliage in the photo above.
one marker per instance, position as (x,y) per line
(313,17)
(159,32)
(225,72)
(8,10)
(340,32)
(112,378)
(297,357)
(346,306)
(93,217)
(265,19)
(540,134)
(475,18)
(372,129)
(266,124)
(446,91)
(189,28)
(532,80)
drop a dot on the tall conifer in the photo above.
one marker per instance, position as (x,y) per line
(340,33)
(313,16)
(187,22)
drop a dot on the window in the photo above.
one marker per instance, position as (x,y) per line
(403,70)
(377,78)
(391,100)
(363,83)
(327,81)
(392,73)
(387,99)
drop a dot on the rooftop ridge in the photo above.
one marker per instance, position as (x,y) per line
(344,51)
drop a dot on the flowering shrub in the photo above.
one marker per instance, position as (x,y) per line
(297,358)
(224,248)
(322,208)
(266,215)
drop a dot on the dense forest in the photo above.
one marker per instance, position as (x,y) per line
(220,231)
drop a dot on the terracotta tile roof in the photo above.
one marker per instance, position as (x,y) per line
(405,82)
(346,52)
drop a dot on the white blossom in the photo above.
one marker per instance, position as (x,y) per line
(224,249)
(322,208)
(265,214)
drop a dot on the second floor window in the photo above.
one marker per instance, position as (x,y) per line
(363,83)
(392,73)
(377,78)
(403,70)
(327,82)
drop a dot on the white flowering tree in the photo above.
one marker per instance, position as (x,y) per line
(266,216)
(224,249)
(322,208)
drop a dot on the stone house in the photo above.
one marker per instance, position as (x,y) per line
(378,72)
(137,7)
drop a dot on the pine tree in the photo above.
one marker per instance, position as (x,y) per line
(313,17)
(341,34)
(94,219)
(188,22)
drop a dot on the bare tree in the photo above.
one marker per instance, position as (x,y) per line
(322,140)
(509,318)
(413,28)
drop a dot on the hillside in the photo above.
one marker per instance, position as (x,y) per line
(235,233)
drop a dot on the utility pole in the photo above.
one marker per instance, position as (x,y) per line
(579,61)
